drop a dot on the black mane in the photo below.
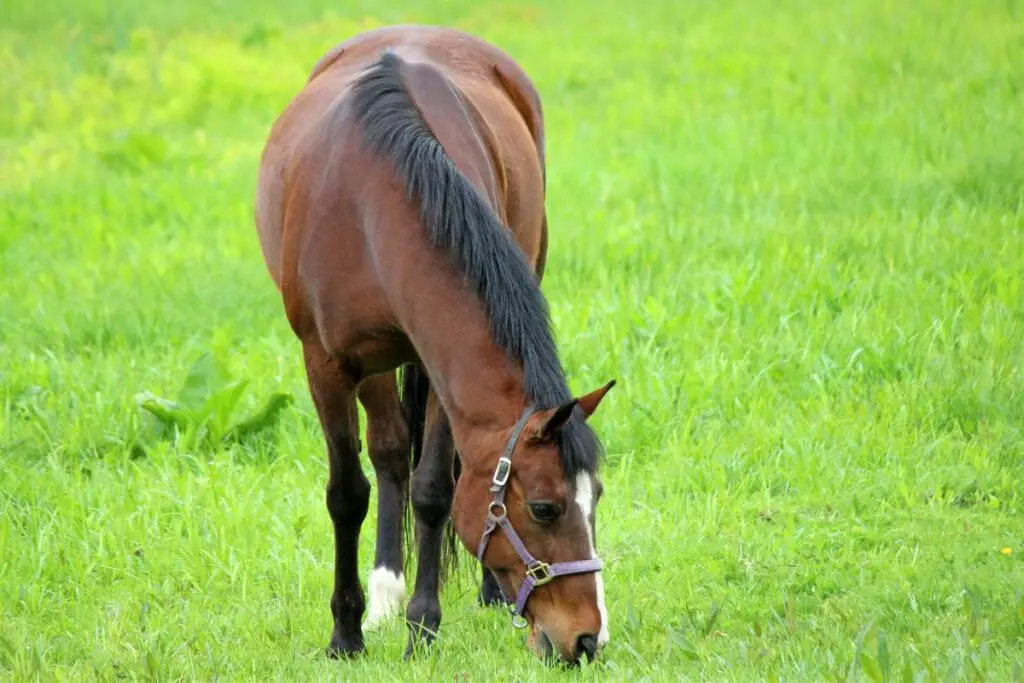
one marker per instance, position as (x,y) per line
(460,222)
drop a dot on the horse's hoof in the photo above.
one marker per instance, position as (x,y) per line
(490,594)
(490,600)
(418,643)
(345,648)
(411,650)
(490,597)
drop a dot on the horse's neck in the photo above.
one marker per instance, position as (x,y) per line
(480,389)
(479,386)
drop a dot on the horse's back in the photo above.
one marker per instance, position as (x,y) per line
(315,192)
(502,102)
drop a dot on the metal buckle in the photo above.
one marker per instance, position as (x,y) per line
(501,473)
(540,572)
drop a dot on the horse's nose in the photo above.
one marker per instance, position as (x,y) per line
(586,644)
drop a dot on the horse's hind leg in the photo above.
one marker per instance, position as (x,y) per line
(348,492)
(388,443)
(433,485)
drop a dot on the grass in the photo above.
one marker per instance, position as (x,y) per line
(793,232)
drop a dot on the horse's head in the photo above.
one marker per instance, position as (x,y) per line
(531,521)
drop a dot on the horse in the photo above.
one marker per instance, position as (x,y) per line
(400,210)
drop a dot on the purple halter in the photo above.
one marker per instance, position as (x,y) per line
(538,573)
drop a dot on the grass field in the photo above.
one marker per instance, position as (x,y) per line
(793,231)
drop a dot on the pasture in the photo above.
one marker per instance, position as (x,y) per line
(794,232)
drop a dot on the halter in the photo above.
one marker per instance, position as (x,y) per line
(538,573)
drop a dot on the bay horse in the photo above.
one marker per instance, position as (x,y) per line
(400,212)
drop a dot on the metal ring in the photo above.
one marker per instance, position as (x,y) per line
(519,621)
(502,510)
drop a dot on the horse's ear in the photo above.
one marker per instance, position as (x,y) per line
(590,402)
(557,418)
(554,420)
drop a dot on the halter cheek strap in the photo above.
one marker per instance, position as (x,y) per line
(538,573)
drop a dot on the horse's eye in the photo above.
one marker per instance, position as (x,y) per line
(545,513)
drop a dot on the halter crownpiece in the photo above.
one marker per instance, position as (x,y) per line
(538,573)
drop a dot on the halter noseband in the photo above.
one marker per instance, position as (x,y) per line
(538,573)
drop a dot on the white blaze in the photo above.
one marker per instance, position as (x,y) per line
(585,499)
(387,592)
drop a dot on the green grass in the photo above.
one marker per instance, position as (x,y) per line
(794,232)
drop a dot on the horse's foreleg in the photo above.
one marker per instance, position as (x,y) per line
(433,485)
(348,492)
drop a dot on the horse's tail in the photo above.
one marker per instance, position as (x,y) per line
(415,391)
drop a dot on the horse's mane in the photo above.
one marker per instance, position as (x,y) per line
(460,222)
